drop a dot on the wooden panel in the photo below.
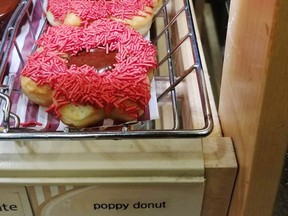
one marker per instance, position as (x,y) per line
(100,159)
(219,156)
(220,174)
(253,105)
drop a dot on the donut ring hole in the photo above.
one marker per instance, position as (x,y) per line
(97,58)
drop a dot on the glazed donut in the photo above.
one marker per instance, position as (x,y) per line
(82,93)
(137,14)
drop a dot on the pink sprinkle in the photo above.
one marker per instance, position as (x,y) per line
(30,124)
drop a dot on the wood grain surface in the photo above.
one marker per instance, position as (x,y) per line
(220,174)
(253,105)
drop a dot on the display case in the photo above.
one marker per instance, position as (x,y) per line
(160,159)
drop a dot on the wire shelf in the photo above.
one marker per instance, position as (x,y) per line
(170,77)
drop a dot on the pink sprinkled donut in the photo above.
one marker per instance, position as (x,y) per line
(136,13)
(80,94)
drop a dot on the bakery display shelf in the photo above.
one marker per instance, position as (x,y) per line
(179,70)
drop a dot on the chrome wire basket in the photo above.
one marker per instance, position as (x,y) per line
(179,69)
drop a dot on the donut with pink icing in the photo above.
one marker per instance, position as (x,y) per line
(137,14)
(79,91)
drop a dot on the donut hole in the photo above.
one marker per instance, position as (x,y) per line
(98,58)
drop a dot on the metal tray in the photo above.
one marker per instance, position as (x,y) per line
(173,34)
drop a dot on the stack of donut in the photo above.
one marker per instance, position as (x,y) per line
(99,69)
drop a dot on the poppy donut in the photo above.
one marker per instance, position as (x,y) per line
(86,74)
(136,13)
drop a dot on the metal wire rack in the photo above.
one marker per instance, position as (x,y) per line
(165,36)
